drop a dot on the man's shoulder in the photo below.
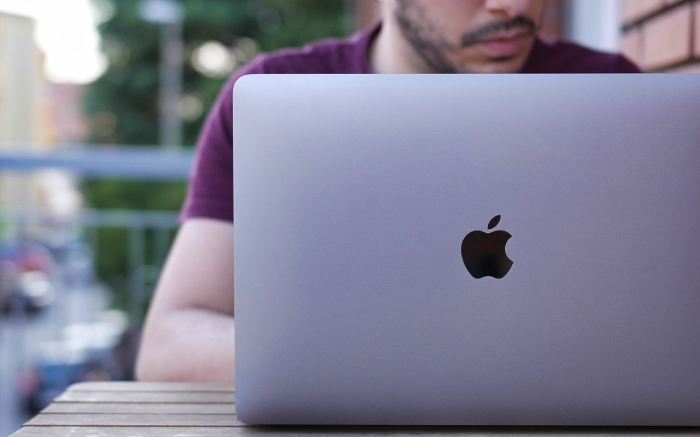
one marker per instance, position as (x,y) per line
(328,56)
(568,57)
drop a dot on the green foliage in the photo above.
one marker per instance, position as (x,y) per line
(128,91)
(112,262)
(122,104)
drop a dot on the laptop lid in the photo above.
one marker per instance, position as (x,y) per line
(355,299)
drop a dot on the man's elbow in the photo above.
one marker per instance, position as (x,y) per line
(147,367)
(152,361)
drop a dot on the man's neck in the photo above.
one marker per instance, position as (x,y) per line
(389,53)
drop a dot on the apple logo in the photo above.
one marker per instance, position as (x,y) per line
(485,254)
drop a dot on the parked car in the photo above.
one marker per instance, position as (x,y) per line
(58,365)
(87,352)
(26,282)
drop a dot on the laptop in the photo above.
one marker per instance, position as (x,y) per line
(467,250)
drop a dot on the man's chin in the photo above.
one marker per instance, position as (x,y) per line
(489,62)
(496,66)
(507,65)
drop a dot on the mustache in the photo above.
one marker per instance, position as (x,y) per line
(496,27)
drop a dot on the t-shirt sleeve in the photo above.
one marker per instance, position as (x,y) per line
(210,192)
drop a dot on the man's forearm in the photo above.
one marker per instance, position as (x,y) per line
(188,345)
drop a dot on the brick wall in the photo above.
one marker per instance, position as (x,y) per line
(662,35)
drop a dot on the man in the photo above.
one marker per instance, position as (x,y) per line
(189,331)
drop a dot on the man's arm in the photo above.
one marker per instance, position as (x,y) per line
(189,331)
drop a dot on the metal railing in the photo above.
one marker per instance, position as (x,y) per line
(81,302)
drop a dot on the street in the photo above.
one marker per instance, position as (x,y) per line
(22,335)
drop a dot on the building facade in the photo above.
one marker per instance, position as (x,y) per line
(28,121)
(21,87)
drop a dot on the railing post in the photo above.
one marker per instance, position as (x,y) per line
(136,261)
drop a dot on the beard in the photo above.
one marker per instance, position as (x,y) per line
(433,47)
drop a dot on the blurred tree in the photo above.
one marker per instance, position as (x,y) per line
(124,101)
(219,37)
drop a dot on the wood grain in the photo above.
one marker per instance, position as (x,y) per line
(147,397)
(125,431)
(127,409)
(99,407)
(68,431)
(151,386)
(194,420)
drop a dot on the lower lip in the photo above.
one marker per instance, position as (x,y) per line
(503,48)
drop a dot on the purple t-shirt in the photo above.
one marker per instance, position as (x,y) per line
(211,187)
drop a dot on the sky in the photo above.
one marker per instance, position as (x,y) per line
(66,33)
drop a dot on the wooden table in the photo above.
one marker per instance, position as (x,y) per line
(127,409)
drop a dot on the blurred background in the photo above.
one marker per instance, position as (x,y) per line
(101,102)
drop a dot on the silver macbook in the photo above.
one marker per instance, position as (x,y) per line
(467,250)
